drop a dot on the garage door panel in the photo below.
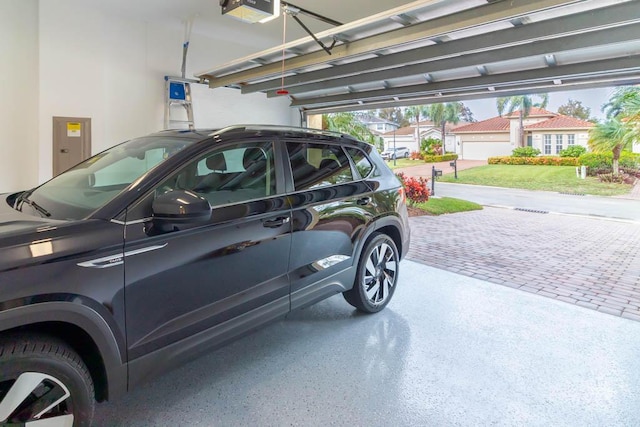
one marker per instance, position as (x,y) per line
(484,150)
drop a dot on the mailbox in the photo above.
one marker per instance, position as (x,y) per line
(437,172)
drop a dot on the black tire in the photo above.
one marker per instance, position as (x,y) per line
(406,155)
(54,374)
(377,275)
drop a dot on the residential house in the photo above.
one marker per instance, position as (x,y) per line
(377,125)
(408,136)
(498,136)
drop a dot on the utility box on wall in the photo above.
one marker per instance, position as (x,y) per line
(248,10)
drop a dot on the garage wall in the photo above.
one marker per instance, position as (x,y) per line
(19,99)
(73,59)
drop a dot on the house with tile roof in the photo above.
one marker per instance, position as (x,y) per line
(408,136)
(498,136)
(377,125)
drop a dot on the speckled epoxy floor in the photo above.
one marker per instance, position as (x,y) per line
(448,350)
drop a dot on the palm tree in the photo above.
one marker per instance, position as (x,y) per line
(612,135)
(624,104)
(443,113)
(622,127)
(348,123)
(417,111)
(524,104)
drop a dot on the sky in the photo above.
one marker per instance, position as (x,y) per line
(483,109)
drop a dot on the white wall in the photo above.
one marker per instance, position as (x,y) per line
(89,63)
(19,94)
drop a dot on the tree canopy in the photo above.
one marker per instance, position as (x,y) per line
(524,103)
(622,127)
(575,109)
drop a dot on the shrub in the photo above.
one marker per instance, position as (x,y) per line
(427,145)
(573,151)
(415,155)
(599,163)
(525,152)
(429,158)
(416,188)
(540,161)
(622,178)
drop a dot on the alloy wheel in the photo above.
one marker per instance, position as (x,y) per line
(35,399)
(380,274)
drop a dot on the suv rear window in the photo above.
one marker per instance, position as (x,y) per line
(318,165)
(363,165)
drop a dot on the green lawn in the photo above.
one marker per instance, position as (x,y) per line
(447,205)
(403,163)
(548,178)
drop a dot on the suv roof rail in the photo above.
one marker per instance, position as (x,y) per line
(258,127)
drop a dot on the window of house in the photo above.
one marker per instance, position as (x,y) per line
(318,165)
(547,144)
(380,126)
(558,143)
(571,139)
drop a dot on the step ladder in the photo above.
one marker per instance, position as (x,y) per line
(177,95)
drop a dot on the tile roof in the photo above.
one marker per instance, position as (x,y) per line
(533,112)
(560,122)
(424,125)
(407,130)
(494,124)
(502,124)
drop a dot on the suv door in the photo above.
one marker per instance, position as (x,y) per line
(191,289)
(331,208)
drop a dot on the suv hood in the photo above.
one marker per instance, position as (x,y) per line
(14,222)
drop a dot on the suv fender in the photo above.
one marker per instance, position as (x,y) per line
(85,318)
(382,224)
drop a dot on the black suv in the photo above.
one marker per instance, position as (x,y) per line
(161,248)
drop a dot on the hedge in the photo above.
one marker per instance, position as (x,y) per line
(540,160)
(598,163)
(429,158)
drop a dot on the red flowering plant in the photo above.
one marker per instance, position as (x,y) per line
(417,189)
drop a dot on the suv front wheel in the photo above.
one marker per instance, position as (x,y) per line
(377,275)
(43,382)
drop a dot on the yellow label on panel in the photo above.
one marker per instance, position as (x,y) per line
(74,129)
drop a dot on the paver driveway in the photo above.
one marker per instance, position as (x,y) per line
(593,263)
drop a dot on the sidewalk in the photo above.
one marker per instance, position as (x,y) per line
(634,194)
(425,170)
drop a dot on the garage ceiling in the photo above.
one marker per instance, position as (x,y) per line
(444,50)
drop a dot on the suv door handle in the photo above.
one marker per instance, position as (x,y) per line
(275,223)
(364,201)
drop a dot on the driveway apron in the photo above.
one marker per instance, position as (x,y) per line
(593,263)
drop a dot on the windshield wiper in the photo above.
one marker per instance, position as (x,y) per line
(24,198)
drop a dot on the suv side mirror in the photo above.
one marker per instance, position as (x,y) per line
(176,209)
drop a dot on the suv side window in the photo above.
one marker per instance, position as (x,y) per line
(363,165)
(318,165)
(233,174)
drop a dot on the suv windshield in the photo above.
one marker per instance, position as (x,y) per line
(78,192)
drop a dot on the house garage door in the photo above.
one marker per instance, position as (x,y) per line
(484,150)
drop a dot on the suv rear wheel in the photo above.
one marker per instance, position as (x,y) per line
(377,275)
(43,382)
